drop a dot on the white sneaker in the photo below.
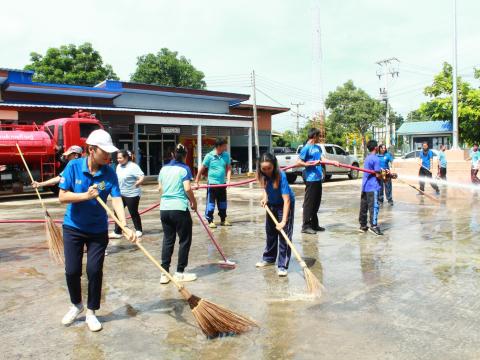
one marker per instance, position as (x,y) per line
(138,233)
(164,279)
(185,277)
(114,235)
(72,314)
(93,323)
(282,272)
(263,263)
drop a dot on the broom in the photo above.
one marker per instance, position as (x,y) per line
(433,198)
(314,286)
(225,262)
(54,235)
(214,320)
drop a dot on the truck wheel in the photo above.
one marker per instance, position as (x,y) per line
(325,175)
(353,174)
(291,177)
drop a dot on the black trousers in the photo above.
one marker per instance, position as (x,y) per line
(132,205)
(276,244)
(74,243)
(474,177)
(369,204)
(443,173)
(424,173)
(176,222)
(311,204)
(216,195)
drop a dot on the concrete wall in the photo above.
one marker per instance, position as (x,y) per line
(171,103)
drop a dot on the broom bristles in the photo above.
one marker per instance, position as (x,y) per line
(314,286)
(54,239)
(215,320)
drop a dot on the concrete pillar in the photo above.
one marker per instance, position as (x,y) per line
(136,148)
(250,155)
(199,146)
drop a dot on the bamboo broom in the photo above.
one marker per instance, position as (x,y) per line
(214,320)
(314,286)
(54,235)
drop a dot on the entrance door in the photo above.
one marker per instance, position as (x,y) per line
(155,157)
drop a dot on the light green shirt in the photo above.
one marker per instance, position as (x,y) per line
(217,166)
(171,179)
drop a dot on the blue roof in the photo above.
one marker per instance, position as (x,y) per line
(425,127)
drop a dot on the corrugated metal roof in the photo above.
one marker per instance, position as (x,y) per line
(120,109)
(425,127)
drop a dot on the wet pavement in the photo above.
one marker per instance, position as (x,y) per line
(411,294)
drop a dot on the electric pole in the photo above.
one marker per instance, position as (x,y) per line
(454,79)
(297,114)
(255,117)
(388,68)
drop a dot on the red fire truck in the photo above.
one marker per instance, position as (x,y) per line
(42,146)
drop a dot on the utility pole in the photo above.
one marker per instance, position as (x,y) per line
(255,117)
(297,114)
(454,79)
(387,68)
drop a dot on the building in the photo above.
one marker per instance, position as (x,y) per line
(147,119)
(436,133)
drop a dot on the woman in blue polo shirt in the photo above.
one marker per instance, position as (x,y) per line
(280,199)
(86,222)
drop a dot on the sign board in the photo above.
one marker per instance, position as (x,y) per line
(170,130)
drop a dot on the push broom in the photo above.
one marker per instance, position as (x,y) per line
(225,262)
(214,320)
(54,236)
(314,286)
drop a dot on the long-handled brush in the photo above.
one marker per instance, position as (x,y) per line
(213,319)
(54,235)
(433,198)
(314,286)
(225,262)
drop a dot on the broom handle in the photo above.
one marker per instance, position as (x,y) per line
(294,250)
(420,191)
(30,174)
(140,246)
(205,226)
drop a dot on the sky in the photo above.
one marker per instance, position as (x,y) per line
(276,38)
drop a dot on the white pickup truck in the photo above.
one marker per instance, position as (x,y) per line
(287,156)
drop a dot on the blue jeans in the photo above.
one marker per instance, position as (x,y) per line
(386,186)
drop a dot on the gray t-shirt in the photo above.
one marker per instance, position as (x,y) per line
(128,175)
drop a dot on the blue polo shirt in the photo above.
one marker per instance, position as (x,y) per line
(426,158)
(312,152)
(475,155)
(88,216)
(172,177)
(442,158)
(370,181)
(275,195)
(217,166)
(385,160)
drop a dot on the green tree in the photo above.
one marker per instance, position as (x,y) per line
(70,64)
(166,68)
(353,110)
(440,106)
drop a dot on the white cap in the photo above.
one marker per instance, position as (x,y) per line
(102,139)
(74,149)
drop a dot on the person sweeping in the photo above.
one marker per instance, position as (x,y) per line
(73,152)
(426,165)
(218,164)
(280,199)
(130,178)
(86,222)
(174,182)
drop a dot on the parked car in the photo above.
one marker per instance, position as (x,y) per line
(287,156)
(413,155)
(336,153)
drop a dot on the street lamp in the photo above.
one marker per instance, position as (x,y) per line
(454,79)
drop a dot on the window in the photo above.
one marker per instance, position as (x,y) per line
(60,136)
(86,129)
(340,151)
(51,131)
(329,150)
